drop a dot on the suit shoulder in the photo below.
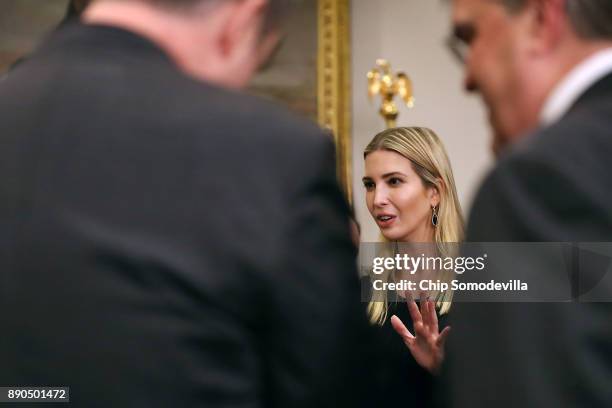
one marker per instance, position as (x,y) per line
(250,118)
(572,154)
(581,137)
(557,178)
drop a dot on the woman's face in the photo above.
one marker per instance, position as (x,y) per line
(397,199)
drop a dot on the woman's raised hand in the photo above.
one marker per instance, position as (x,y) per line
(427,345)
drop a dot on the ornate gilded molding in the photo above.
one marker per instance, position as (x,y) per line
(334,82)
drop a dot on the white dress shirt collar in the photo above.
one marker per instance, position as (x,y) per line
(574,84)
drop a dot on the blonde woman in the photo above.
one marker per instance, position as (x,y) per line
(410,193)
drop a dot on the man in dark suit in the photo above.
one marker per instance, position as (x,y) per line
(167,241)
(544,70)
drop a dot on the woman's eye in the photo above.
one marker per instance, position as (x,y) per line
(394,181)
(369,185)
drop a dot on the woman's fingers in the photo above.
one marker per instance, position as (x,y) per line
(433,317)
(415,315)
(421,331)
(442,337)
(423,307)
(401,329)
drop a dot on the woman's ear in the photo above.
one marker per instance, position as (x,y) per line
(434,193)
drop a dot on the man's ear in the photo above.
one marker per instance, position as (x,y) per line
(269,46)
(547,21)
(243,26)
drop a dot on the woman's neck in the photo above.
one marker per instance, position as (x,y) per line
(425,234)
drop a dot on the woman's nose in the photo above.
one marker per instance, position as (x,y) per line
(381,197)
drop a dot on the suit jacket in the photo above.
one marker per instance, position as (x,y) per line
(553,187)
(165,242)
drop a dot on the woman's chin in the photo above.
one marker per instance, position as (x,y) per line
(389,236)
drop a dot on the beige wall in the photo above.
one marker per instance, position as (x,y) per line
(411,35)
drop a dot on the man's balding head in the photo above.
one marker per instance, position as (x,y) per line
(219,41)
(273,16)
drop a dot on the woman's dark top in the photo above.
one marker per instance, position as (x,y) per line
(398,379)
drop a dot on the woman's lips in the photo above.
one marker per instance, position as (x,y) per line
(385,220)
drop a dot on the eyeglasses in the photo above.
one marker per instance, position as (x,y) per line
(458,48)
(460,40)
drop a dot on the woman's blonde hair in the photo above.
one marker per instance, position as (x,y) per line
(430,162)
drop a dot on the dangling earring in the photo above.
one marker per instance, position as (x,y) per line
(434,216)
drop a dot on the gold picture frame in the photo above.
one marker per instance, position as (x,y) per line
(334,83)
(311,73)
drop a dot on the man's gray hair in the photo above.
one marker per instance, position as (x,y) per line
(592,19)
